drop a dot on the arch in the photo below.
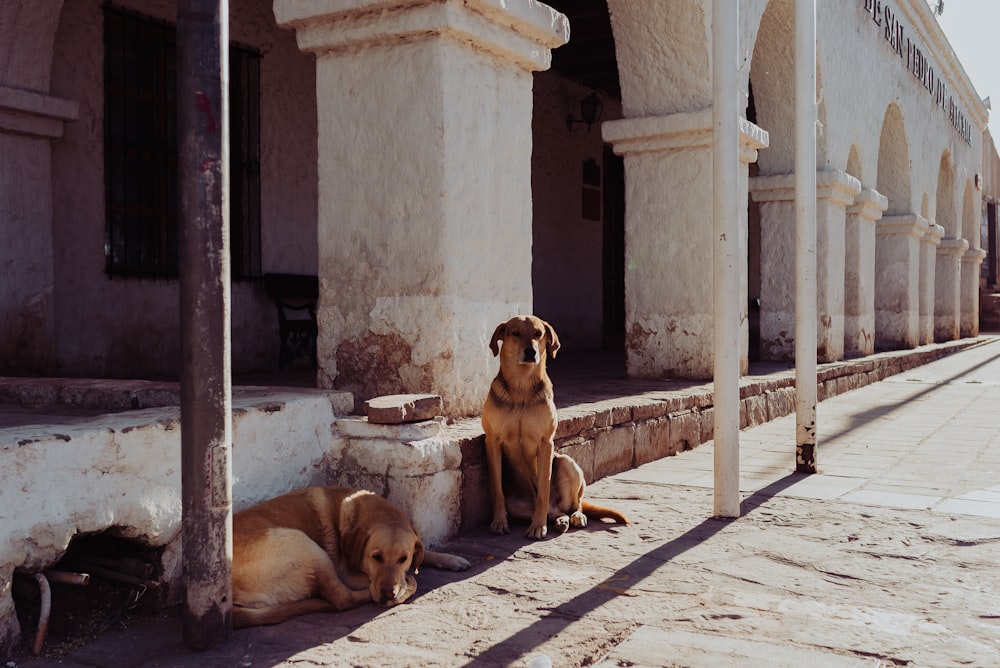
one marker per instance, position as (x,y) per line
(971,212)
(854,165)
(663,52)
(773,80)
(925,206)
(946,211)
(894,175)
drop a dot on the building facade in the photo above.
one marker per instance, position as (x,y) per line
(429,162)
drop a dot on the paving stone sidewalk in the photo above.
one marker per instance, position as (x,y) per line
(888,557)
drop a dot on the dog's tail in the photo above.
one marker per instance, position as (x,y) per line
(596,512)
(275,614)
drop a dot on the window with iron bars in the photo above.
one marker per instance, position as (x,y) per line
(140,150)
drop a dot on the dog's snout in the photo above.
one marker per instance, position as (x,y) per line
(390,594)
(530,354)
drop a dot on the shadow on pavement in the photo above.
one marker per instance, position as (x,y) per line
(618,584)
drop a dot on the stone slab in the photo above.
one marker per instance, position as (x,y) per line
(400,408)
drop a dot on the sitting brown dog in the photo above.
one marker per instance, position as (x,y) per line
(322,549)
(519,418)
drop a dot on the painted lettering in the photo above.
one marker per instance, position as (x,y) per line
(874,10)
(894,33)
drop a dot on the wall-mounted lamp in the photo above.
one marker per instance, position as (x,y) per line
(590,112)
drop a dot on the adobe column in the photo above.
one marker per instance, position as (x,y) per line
(859,272)
(897,281)
(668,240)
(776,195)
(29,123)
(424,116)
(972,263)
(947,288)
(928,267)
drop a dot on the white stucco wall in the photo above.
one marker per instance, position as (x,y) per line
(128,327)
(860,75)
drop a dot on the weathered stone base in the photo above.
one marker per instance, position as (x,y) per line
(615,435)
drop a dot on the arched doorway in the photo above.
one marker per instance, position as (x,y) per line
(578,252)
(897,241)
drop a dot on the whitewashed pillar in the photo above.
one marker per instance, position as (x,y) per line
(424,117)
(947,288)
(928,267)
(668,221)
(897,281)
(859,272)
(835,190)
(972,262)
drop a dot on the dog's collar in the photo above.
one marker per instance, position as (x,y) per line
(500,391)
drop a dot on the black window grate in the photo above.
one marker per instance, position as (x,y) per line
(141,237)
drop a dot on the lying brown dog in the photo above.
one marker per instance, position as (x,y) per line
(321,549)
(519,418)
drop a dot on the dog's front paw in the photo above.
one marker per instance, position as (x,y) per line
(455,563)
(500,526)
(536,532)
(561,523)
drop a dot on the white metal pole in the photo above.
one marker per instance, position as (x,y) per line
(725,255)
(805,236)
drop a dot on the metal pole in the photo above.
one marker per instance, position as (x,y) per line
(725,255)
(805,236)
(206,387)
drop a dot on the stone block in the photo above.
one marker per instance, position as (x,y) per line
(602,418)
(400,408)
(574,421)
(613,449)
(823,391)
(704,398)
(754,410)
(706,418)
(652,441)
(780,403)
(648,409)
(685,431)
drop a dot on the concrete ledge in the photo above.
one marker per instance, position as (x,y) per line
(94,471)
(609,436)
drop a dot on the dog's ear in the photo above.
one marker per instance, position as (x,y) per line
(552,340)
(352,546)
(353,536)
(498,335)
(418,556)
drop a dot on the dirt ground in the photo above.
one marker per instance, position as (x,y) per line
(822,581)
